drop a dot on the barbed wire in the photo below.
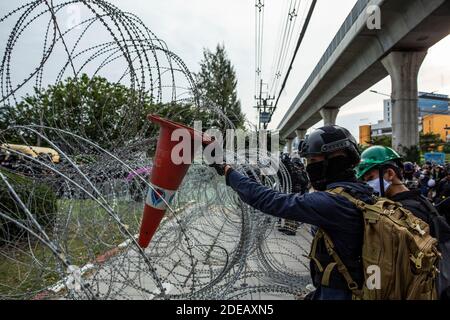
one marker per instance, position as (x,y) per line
(68,227)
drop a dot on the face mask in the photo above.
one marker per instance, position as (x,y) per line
(336,167)
(315,173)
(375,184)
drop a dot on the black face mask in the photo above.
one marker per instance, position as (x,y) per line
(316,175)
(337,169)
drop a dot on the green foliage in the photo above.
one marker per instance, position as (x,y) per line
(362,147)
(447,147)
(217,82)
(93,108)
(430,142)
(411,154)
(109,114)
(385,141)
(39,199)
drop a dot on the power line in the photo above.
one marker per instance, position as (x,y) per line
(281,30)
(262,104)
(263,99)
(259,37)
(281,45)
(297,47)
(285,43)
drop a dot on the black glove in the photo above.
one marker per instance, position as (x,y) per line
(220,168)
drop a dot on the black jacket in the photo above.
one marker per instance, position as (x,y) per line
(443,189)
(415,202)
(336,215)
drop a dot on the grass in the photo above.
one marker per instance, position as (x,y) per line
(28,267)
(20,272)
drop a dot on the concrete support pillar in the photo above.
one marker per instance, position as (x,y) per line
(403,67)
(301,133)
(289,146)
(329,115)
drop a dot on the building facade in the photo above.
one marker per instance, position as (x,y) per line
(437,124)
(384,127)
(429,104)
(432,103)
(365,135)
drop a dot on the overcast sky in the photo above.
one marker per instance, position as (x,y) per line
(188,26)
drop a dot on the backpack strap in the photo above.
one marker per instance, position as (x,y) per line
(373,212)
(326,271)
(352,285)
(329,245)
(341,191)
(371,215)
(312,255)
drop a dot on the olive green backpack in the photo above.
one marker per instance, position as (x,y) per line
(397,244)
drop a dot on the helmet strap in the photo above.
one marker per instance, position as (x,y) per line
(325,168)
(381,180)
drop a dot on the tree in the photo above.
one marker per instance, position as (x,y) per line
(447,147)
(385,141)
(363,147)
(109,114)
(217,82)
(411,154)
(430,142)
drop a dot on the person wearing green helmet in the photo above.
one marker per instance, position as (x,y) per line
(382,169)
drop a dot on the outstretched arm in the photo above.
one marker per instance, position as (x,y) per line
(315,208)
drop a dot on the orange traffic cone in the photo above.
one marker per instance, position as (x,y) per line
(166,176)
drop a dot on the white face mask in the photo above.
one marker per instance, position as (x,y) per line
(375,184)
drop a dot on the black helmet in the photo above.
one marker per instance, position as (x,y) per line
(297,161)
(408,167)
(329,139)
(285,157)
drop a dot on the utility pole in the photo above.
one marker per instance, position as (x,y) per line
(265,109)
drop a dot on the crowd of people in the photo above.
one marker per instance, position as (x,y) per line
(432,179)
(366,209)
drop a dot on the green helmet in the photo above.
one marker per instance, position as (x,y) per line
(375,156)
